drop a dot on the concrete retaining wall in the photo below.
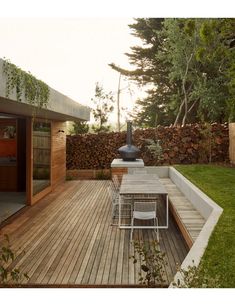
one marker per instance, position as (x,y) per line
(207,208)
(161,171)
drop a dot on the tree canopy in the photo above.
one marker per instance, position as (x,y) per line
(188,68)
(103,107)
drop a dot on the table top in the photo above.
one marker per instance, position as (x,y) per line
(141,184)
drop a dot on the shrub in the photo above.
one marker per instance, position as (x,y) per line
(8,276)
(196,277)
(152,263)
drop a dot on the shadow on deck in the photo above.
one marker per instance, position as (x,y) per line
(67,240)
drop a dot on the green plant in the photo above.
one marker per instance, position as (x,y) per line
(79,127)
(7,275)
(196,277)
(206,143)
(69,177)
(101,175)
(152,263)
(10,130)
(103,103)
(155,149)
(35,91)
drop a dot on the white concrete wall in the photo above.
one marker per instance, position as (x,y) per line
(207,208)
(199,200)
(161,171)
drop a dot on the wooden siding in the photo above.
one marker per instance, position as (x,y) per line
(232,143)
(58,153)
(67,239)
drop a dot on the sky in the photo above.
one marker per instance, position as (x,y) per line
(69,44)
(72,54)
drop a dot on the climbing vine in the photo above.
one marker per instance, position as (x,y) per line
(24,83)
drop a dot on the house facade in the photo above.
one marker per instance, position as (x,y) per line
(33,141)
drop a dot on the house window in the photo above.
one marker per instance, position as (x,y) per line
(41,155)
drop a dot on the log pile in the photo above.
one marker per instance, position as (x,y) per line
(192,143)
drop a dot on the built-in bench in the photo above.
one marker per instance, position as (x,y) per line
(195,213)
(188,219)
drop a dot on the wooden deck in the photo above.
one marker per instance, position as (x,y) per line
(67,239)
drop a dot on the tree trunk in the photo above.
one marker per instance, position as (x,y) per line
(118,103)
(184,90)
(179,113)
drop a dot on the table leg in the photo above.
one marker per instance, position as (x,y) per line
(119,215)
(167,211)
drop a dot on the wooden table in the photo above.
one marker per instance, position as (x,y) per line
(144,186)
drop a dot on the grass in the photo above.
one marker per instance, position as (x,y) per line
(219,184)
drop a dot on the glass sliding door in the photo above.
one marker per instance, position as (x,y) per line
(41,156)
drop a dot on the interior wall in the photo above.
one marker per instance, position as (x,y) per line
(21,154)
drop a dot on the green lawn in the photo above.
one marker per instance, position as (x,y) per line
(219,184)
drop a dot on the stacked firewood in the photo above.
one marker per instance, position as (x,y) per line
(192,143)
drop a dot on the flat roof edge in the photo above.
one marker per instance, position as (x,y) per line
(59,105)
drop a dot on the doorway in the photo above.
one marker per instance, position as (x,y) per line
(12,165)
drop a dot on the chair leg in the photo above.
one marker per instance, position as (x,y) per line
(132,224)
(157,229)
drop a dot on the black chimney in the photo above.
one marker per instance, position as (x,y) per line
(129,152)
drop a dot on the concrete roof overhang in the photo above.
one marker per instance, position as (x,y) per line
(60,107)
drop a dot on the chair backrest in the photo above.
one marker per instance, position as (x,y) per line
(112,192)
(145,206)
(116,181)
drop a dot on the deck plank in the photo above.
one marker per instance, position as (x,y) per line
(67,238)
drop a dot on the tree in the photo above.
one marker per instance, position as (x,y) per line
(179,53)
(187,66)
(80,127)
(103,107)
(149,70)
(216,54)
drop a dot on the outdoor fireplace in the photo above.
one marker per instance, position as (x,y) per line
(129,152)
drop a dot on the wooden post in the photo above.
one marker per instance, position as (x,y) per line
(232,143)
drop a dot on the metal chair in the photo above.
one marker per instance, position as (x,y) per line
(145,211)
(116,182)
(125,204)
(114,195)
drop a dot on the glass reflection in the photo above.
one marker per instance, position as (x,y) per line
(41,156)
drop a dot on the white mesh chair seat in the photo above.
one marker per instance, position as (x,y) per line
(145,211)
(144,215)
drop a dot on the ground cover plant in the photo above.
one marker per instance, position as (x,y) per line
(218,183)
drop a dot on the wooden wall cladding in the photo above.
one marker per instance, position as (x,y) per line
(232,143)
(58,156)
